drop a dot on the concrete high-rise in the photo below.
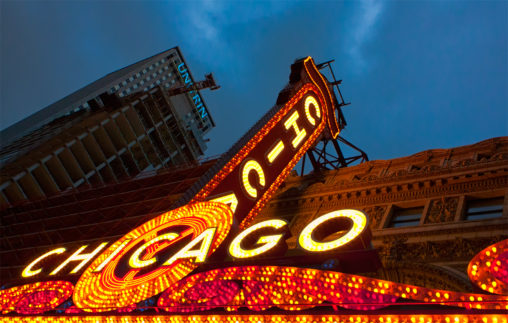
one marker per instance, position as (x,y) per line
(143,117)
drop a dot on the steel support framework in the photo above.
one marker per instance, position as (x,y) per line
(327,153)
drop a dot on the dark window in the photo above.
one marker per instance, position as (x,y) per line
(484,209)
(405,217)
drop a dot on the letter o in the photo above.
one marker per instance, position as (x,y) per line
(308,243)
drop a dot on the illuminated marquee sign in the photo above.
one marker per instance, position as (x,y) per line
(157,257)
(211,230)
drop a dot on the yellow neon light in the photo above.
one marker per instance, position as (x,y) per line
(28,272)
(104,291)
(308,243)
(111,256)
(249,166)
(274,153)
(268,242)
(200,255)
(134,260)
(300,133)
(332,116)
(308,101)
(229,199)
(78,256)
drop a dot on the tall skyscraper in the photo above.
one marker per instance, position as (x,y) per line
(142,117)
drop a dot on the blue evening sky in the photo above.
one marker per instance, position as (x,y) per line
(418,74)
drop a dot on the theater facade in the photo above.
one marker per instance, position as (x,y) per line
(242,238)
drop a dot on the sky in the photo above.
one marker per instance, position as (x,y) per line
(419,74)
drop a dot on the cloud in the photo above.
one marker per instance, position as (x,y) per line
(209,18)
(205,20)
(213,24)
(366,18)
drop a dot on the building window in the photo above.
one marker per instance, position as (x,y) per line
(406,217)
(484,209)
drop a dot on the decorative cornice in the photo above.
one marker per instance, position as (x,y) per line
(449,230)
(388,194)
(486,159)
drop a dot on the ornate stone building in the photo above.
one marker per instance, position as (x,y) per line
(430,212)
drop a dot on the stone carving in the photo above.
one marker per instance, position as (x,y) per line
(393,249)
(465,162)
(298,223)
(430,168)
(499,156)
(442,210)
(290,192)
(459,249)
(369,178)
(375,214)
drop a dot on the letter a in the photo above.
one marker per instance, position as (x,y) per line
(204,238)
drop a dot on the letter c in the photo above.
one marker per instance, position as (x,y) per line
(249,166)
(134,260)
(28,272)
(310,100)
